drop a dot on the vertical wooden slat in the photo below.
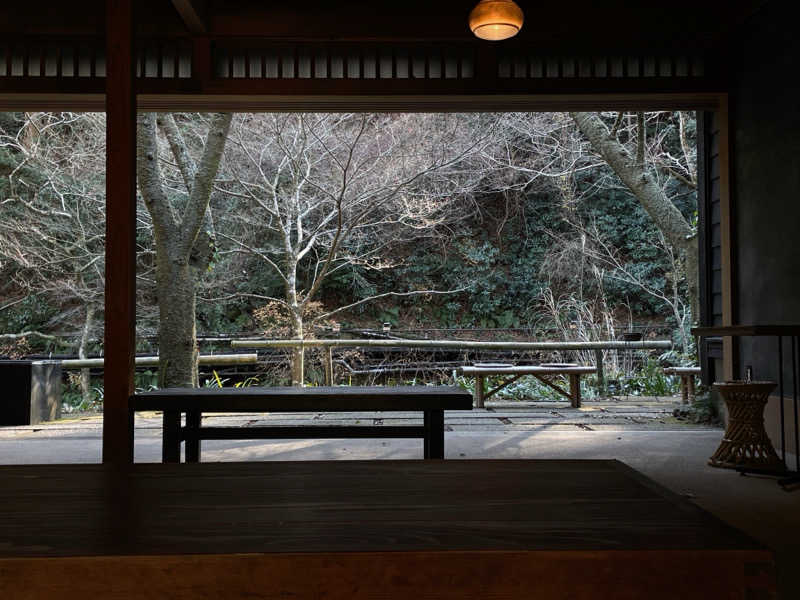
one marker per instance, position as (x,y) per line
(25,54)
(176,62)
(263,54)
(120,292)
(328,62)
(201,59)
(92,61)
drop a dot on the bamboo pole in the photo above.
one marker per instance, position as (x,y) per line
(462,344)
(152,361)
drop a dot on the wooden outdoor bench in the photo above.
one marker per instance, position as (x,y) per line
(544,373)
(431,401)
(687,375)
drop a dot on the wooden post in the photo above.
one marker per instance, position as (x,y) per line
(730,349)
(684,389)
(434,434)
(120,292)
(328,366)
(575,390)
(601,377)
(479,391)
(171,437)
(194,420)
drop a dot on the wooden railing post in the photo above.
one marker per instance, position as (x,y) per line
(601,376)
(479,391)
(328,366)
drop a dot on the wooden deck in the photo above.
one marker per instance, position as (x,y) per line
(377,529)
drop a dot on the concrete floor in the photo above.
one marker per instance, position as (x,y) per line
(639,432)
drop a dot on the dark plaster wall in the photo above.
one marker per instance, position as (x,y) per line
(765,110)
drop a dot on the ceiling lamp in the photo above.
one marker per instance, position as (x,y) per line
(496,19)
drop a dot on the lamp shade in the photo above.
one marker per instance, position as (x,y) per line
(496,19)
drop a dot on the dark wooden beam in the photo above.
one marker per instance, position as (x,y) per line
(193,14)
(120,293)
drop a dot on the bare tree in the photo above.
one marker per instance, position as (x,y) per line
(606,261)
(643,180)
(53,219)
(183,247)
(325,192)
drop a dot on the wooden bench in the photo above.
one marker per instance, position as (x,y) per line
(687,375)
(545,373)
(431,401)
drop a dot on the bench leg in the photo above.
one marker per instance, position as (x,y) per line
(684,389)
(434,434)
(193,418)
(691,389)
(479,391)
(171,437)
(575,390)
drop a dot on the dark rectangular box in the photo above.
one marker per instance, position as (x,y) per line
(31,391)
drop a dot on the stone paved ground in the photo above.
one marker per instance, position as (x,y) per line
(78,438)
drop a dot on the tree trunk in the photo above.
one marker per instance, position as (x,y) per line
(177,335)
(86,380)
(643,186)
(298,354)
(183,251)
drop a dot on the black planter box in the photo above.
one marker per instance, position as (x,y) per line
(31,391)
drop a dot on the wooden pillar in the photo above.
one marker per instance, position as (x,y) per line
(575,390)
(120,293)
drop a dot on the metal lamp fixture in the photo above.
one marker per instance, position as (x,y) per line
(496,19)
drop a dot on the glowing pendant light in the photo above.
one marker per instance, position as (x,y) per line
(496,19)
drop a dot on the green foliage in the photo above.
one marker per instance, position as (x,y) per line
(33,313)
(72,400)
(145,381)
(215,381)
(650,380)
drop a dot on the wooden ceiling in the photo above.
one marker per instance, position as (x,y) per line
(580,23)
(365,54)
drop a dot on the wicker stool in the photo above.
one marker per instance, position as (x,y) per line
(745,443)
